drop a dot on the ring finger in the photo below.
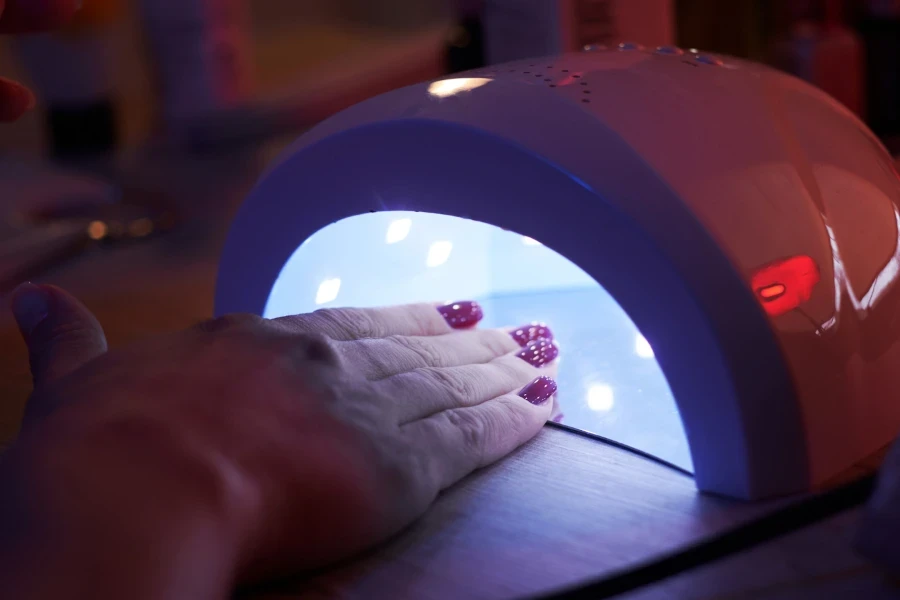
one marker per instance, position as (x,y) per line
(379,358)
(437,389)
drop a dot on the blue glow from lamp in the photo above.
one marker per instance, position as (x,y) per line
(610,382)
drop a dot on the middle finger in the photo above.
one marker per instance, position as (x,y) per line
(430,390)
(380,358)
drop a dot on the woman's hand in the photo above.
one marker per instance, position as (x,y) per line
(246,448)
(27,16)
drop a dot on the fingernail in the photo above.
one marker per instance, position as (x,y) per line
(539,352)
(539,391)
(531,332)
(30,305)
(460,315)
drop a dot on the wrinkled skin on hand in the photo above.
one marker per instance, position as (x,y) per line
(256,447)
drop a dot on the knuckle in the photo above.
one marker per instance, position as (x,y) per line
(514,369)
(474,431)
(497,342)
(318,348)
(424,353)
(461,389)
(516,419)
(424,318)
(348,323)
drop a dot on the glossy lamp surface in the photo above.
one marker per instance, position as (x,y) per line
(715,242)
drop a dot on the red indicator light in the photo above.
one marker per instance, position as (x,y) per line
(771,292)
(784,285)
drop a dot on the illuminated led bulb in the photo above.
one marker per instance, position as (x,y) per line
(438,253)
(397,231)
(530,241)
(600,398)
(642,347)
(328,290)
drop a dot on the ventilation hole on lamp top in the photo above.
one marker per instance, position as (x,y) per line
(549,66)
(565,70)
(585,100)
(512,70)
(577,76)
(552,85)
(538,75)
(527,72)
(548,79)
(583,83)
(585,91)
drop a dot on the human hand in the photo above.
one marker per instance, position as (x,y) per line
(28,16)
(244,448)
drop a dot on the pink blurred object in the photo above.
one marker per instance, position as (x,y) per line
(517,29)
(827,54)
(203,58)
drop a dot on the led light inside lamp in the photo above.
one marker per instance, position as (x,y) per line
(439,253)
(397,231)
(600,398)
(642,347)
(328,291)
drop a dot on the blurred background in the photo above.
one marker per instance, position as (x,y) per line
(205,73)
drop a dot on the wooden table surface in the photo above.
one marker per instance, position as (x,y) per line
(561,509)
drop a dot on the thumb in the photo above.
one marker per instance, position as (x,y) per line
(60,332)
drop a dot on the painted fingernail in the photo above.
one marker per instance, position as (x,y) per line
(460,315)
(539,352)
(530,333)
(539,391)
(30,306)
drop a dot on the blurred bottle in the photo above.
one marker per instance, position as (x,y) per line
(516,29)
(465,43)
(202,56)
(880,28)
(73,73)
(822,50)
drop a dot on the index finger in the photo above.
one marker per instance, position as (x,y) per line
(346,324)
(27,16)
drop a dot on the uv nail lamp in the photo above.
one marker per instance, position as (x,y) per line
(714,244)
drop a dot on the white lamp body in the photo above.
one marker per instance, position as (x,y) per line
(745,222)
